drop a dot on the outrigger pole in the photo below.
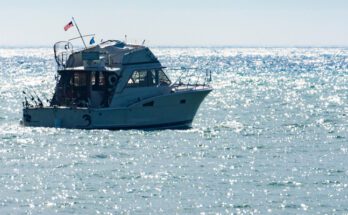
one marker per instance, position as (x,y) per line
(77,27)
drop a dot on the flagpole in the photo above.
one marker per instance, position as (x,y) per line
(77,27)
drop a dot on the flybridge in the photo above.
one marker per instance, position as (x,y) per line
(111,53)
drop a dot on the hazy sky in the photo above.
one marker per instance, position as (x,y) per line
(179,22)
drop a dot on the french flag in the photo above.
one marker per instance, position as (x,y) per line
(69,25)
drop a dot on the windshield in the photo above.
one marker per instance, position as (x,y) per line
(148,78)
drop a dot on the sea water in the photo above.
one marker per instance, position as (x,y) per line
(271,138)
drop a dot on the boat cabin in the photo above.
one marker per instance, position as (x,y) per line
(97,88)
(111,74)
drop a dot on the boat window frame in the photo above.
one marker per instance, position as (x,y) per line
(99,80)
(167,82)
(156,81)
(79,79)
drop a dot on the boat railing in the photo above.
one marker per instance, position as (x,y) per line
(62,51)
(191,78)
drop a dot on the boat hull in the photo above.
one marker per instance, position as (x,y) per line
(175,110)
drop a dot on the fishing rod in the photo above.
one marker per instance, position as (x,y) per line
(45,98)
(38,99)
(31,97)
(26,103)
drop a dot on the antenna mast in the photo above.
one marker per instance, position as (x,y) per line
(77,27)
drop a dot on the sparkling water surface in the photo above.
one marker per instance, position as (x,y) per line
(271,138)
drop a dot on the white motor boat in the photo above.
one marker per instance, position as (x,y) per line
(114,85)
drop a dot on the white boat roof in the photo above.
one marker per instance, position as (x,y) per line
(115,54)
(81,68)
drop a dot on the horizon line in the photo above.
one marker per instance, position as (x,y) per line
(199,46)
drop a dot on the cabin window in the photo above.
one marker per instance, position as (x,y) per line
(101,79)
(143,78)
(93,81)
(97,80)
(80,79)
(162,78)
(148,78)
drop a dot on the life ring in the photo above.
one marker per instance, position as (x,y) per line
(112,79)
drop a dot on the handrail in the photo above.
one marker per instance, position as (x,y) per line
(61,49)
(190,78)
(87,35)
